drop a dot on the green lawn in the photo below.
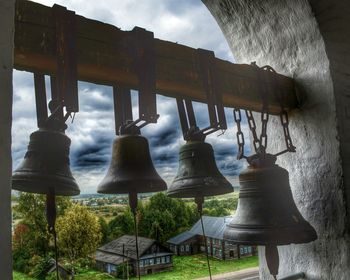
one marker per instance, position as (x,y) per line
(21,276)
(191,267)
(185,268)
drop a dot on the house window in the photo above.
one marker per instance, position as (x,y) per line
(141,263)
(113,268)
(208,240)
(163,259)
(220,253)
(146,262)
(214,251)
(208,249)
(151,261)
(167,259)
(241,250)
(245,250)
(182,248)
(250,250)
(158,260)
(232,254)
(187,248)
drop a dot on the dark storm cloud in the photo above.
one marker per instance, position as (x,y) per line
(92,156)
(95,97)
(165,139)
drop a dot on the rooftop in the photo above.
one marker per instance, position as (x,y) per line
(213,226)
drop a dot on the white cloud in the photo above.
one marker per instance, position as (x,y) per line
(186,22)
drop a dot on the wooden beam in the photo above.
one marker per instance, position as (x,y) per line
(103,58)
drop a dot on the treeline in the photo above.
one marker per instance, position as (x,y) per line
(160,218)
(163,217)
(80,231)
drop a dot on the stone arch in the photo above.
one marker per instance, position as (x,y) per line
(309,41)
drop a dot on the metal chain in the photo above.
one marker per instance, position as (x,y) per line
(239,134)
(252,127)
(260,144)
(264,117)
(285,125)
(263,135)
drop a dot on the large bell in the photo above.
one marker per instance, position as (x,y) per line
(131,169)
(198,175)
(45,168)
(266,212)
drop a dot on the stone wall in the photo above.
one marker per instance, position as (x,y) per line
(334,23)
(6,64)
(285,34)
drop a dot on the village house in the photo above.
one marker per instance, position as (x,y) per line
(192,241)
(153,256)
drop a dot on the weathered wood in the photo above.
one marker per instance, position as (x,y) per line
(103,58)
(7,10)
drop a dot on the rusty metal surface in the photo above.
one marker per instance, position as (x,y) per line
(66,58)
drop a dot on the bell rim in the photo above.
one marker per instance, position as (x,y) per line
(125,187)
(198,189)
(303,233)
(64,186)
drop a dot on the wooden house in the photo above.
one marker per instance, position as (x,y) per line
(153,256)
(192,241)
(64,274)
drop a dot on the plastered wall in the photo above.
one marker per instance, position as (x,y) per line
(286,35)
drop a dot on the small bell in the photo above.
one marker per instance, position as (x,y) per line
(131,169)
(198,175)
(45,168)
(266,212)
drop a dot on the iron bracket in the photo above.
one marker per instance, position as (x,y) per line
(64,85)
(217,118)
(141,47)
(141,43)
(66,81)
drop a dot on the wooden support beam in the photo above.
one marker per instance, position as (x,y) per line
(103,58)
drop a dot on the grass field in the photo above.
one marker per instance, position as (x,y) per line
(20,276)
(191,267)
(185,268)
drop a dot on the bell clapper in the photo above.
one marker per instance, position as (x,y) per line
(133,207)
(199,201)
(272,259)
(51,220)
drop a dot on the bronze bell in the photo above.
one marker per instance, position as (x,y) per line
(45,168)
(266,212)
(198,175)
(131,169)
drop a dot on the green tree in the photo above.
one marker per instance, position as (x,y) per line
(163,217)
(104,230)
(78,232)
(120,225)
(162,225)
(30,237)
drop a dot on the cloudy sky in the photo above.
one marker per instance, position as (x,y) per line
(187,22)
